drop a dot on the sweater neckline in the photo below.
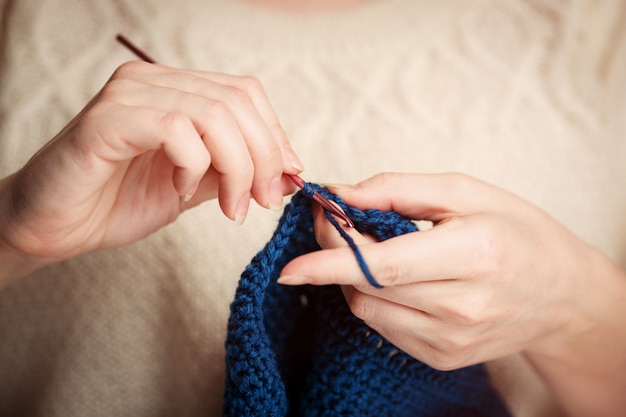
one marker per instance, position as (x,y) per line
(235,25)
(311,12)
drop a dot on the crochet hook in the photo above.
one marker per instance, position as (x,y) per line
(133,48)
(317,197)
(323,201)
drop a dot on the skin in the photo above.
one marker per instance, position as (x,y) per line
(152,143)
(494,276)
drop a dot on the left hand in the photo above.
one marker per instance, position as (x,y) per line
(130,162)
(494,276)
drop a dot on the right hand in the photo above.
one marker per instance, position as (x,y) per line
(494,276)
(131,161)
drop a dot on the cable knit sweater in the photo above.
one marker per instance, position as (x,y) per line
(526,94)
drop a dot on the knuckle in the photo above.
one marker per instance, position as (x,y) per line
(488,252)
(174,122)
(266,152)
(390,274)
(215,109)
(272,157)
(467,312)
(444,360)
(460,185)
(383,179)
(454,344)
(246,171)
(461,180)
(237,95)
(240,168)
(130,69)
(457,178)
(250,83)
(115,90)
(362,305)
(465,316)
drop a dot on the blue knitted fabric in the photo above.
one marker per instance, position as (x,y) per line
(299,351)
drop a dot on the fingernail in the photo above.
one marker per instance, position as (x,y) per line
(292,280)
(191,192)
(276,194)
(294,161)
(241,211)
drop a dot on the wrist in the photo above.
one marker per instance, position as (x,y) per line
(15,264)
(583,361)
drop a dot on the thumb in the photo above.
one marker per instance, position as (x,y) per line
(433,197)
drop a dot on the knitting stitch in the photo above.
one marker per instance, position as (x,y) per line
(298,351)
(309,190)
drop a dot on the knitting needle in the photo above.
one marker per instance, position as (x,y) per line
(316,196)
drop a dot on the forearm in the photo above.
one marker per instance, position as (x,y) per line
(586,370)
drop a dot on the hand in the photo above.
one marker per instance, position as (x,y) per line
(493,276)
(152,143)
(476,286)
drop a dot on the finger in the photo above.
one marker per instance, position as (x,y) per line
(235,134)
(458,302)
(438,358)
(209,186)
(327,236)
(254,88)
(433,197)
(430,297)
(421,335)
(443,252)
(246,99)
(125,132)
(230,157)
(230,154)
(207,189)
(381,313)
(263,148)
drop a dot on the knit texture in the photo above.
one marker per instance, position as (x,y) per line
(298,351)
(526,94)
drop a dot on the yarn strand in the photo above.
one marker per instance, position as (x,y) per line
(308,190)
(355,249)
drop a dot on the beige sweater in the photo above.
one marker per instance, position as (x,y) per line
(527,94)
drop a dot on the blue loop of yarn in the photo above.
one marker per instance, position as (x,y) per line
(309,189)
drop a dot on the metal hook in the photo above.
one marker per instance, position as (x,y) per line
(316,196)
(327,204)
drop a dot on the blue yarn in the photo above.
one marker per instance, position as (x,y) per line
(357,252)
(309,189)
(299,351)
